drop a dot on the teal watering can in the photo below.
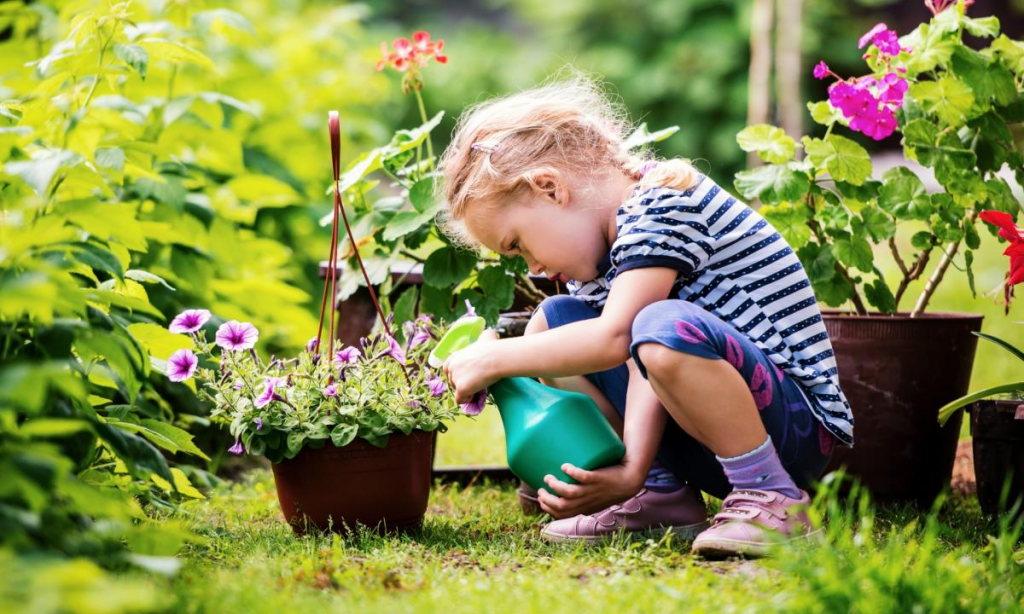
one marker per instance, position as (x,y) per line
(544,426)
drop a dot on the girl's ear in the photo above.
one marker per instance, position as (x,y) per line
(548,183)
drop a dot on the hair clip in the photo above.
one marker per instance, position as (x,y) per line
(484,146)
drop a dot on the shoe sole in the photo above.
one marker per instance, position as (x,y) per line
(721,548)
(686,532)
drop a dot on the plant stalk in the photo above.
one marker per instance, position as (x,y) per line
(933,281)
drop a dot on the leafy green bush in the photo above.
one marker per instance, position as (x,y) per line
(953,107)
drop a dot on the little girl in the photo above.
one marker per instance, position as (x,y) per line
(690,322)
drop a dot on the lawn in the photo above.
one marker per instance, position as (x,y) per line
(478,552)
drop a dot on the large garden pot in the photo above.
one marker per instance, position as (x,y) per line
(897,372)
(997,427)
(385,489)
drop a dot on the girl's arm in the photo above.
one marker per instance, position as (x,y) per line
(587,346)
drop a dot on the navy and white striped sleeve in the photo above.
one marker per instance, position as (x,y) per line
(665,230)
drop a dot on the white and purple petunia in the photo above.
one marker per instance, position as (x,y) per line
(238,448)
(474,407)
(346,356)
(258,422)
(189,321)
(312,345)
(271,384)
(235,335)
(331,390)
(395,351)
(181,365)
(421,336)
(436,385)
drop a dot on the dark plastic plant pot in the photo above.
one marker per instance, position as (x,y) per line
(385,489)
(897,372)
(997,427)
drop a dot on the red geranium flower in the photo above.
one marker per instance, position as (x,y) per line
(1015,251)
(404,54)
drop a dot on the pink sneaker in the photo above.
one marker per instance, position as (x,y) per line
(752,521)
(682,511)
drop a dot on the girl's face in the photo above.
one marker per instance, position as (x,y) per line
(557,236)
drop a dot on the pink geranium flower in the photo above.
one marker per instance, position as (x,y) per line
(1015,251)
(189,321)
(821,70)
(181,365)
(235,335)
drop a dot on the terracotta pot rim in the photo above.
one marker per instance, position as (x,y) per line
(902,316)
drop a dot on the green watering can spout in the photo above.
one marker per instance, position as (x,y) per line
(544,427)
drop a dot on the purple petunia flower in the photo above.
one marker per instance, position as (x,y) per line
(235,335)
(269,393)
(424,318)
(238,448)
(821,70)
(474,407)
(421,336)
(238,385)
(181,365)
(346,356)
(437,386)
(258,422)
(312,345)
(413,403)
(395,351)
(189,321)
(331,390)
(470,312)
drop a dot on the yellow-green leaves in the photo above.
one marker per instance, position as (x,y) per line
(772,144)
(949,99)
(844,159)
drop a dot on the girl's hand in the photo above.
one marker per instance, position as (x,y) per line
(596,489)
(473,368)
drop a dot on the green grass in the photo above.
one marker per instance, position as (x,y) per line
(477,552)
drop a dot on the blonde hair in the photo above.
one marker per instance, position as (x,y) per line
(569,124)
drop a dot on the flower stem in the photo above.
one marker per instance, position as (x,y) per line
(423,116)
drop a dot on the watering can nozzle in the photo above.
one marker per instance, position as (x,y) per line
(462,333)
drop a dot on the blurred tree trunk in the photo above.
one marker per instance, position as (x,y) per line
(788,66)
(759,88)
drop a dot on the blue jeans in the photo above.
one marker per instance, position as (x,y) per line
(804,446)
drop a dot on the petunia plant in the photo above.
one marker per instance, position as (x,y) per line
(952,107)
(276,407)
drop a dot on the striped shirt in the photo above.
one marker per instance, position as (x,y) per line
(734,264)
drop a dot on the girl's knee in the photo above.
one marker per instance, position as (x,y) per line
(560,309)
(659,315)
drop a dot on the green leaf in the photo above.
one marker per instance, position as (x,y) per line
(833,292)
(39,172)
(497,285)
(818,261)
(97,257)
(405,307)
(931,47)
(969,268)
(987,79)
(422,195)
(982,27)
(174,52)
(110,157)
(343,434)
(844,159)
(206,20)
(790,219)
(448,266)
(181,439)
(406,222)
(641,136)
(134,56)
(772,144)
(875,223)
(880,297)
(949,99)
(923,240)
(141,458)
(772,184)
(437,301)
(52,427)
(854,252)
(1010,52)
(1006,345)
(903,195)
(946,411)
(824,113)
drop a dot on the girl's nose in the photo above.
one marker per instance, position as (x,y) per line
(535,268)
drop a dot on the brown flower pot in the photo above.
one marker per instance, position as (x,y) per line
(385,489)
(897,372)
(997,427)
